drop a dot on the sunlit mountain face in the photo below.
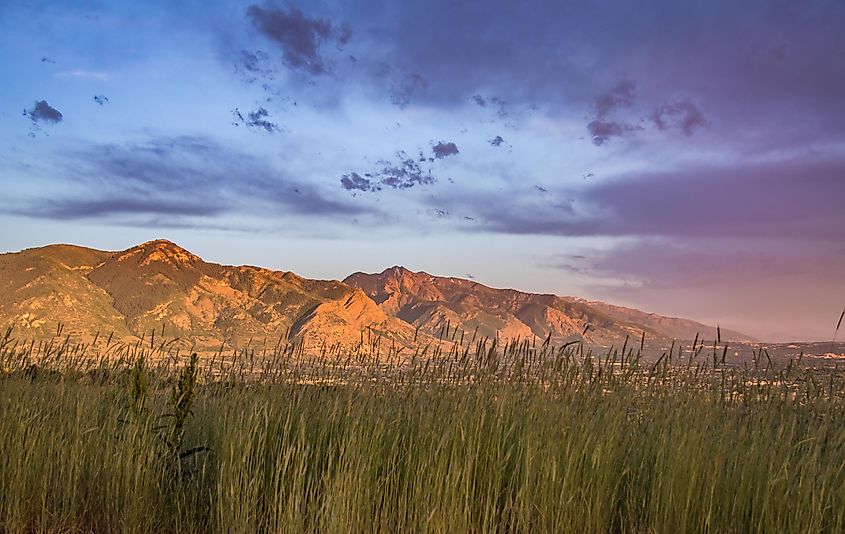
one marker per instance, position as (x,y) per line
(685,159)
(160,288)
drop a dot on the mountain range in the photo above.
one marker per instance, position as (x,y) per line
(159,284)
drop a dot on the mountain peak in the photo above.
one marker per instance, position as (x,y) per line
(399,278)
(159,243)
(403,273)
(158,250)
(397,269)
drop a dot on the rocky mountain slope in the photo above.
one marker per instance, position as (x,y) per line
(431,302)
(158,284)
(133,292)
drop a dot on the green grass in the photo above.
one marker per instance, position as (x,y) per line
(522,439)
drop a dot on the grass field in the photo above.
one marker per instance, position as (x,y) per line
(522,438)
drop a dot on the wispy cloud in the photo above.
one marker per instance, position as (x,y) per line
(683,114)
(769,200)
(182,177)
(603,130)
(84,74)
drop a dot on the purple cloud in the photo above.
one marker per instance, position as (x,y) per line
(354,182)
(463,50)
(602,129)
(779,199)
(621,95)
(177,176)
(443,149)
(748,285)
(405,174)
(666,263)
(299,37)
(43,112)
(254,66)
(405,88)
(682,114)
(255,119)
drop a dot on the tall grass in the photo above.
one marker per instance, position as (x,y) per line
(522,438)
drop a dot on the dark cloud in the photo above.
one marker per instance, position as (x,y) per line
(682,114)
(178,177)
(260,118)
(354,182)
(252,61)
(101,99)
(343,34)
(404,89)
(667,263)
(42,112)
(445,149)
(497,141)
(299,36)
(499,106)
(620,95)
(402,85)
(570,55)
(775,199)
(82,207)
(255,66)
(540,221)
(602,129)
(793,199)
(404,174)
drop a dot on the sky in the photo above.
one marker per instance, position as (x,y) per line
(685,158)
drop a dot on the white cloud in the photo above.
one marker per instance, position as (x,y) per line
(84,74)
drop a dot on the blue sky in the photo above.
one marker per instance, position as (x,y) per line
(681,157)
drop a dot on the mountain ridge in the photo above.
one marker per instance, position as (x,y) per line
(427,301)
(136,290)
